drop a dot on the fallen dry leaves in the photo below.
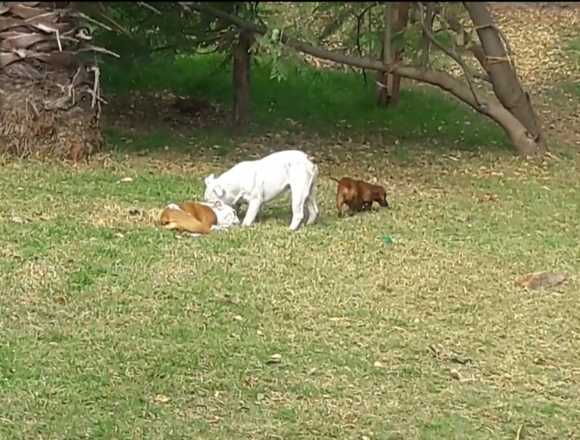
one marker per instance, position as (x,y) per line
(541,280)
(539,38)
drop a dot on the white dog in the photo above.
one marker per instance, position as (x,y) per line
(259,181)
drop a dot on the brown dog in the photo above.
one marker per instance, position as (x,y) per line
(358,195)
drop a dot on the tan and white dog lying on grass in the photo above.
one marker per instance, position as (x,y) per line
(258,181)
(198,218)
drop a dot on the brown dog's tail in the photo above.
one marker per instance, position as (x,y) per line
(336,180)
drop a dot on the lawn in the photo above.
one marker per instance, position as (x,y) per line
(113,328)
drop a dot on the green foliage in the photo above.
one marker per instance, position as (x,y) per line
(172,30)
(269,49)
(411,39)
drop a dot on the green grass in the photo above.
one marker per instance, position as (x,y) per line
(574,46)
(112,328)
(327,103)
(573,52)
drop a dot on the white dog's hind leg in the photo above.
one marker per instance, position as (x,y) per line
(252,212)
(299,185)
(311,204)
(297,211)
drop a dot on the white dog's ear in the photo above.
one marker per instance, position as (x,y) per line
(219,191)
(209,179)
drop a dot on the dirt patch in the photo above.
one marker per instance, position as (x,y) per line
(141,111)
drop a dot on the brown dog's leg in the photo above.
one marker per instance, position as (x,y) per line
(339,202)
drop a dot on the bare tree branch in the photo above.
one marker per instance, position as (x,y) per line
(450,53)
(99,49)
(151,8)
(475,49)
(92,20)
(335,25)
(427,21)
(359,21)
(485,78)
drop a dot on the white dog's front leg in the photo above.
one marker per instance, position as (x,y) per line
(252,212)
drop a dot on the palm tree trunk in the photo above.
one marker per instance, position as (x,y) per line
(49,96)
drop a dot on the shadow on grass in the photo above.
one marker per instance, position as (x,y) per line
(325,103)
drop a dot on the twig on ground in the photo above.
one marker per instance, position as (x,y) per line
(148,6)
(518,434)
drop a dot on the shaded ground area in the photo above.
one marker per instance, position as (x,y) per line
(546,51)
(164,108)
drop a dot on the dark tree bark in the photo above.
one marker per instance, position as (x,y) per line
(49,95)
(426,45)
(506,84)
(401,20)
(241,78)
(384,79)
(389,83)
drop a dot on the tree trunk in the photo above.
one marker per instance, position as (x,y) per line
(389,84)
(506,84)
(241,78)
(49,99)
(426,43)
(400,22)
(383,86)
